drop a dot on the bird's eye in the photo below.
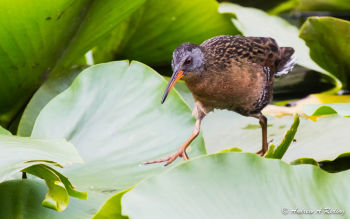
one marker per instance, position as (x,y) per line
(188,61)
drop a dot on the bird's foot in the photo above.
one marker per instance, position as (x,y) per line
(263,150)
(168,160)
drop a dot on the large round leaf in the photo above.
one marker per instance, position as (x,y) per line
(238,185)
(18,195)
(224,129)
(113,115)
(331,50)
(156,29)
(324,139)
(47,91)
(35,156)
(40,36)
(18,153)
(22,199)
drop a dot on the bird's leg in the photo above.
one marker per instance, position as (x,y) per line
(181,152)
(263,124)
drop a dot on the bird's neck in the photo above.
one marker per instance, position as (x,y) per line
(192,79)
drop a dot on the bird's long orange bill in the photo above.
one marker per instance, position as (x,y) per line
(176,76)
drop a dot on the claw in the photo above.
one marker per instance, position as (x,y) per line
(182,150)
(262,152)
(171,158)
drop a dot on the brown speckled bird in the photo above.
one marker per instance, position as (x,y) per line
(229,72)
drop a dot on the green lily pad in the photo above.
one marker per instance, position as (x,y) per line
(254,22)
(216,186)
(224,129)
(18,195)
(31,151)
(330,50)
(342,109)
(40,37)
(47,91)
(155,30)
(113,115)
(34,156)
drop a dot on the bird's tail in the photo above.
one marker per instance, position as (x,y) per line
(288,60)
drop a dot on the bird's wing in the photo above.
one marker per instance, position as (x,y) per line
(263,51)
(270,57)
(281,60)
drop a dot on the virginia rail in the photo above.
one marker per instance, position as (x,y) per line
(229,72)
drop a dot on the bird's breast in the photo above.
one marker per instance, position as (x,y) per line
(236,88)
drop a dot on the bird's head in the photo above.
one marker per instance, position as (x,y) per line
(188,62)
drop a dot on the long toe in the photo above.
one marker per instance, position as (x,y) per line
(171,158)
(261,152)
(167,160)
(157,161)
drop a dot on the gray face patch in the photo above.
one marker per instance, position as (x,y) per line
(197,58)
(188,57)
